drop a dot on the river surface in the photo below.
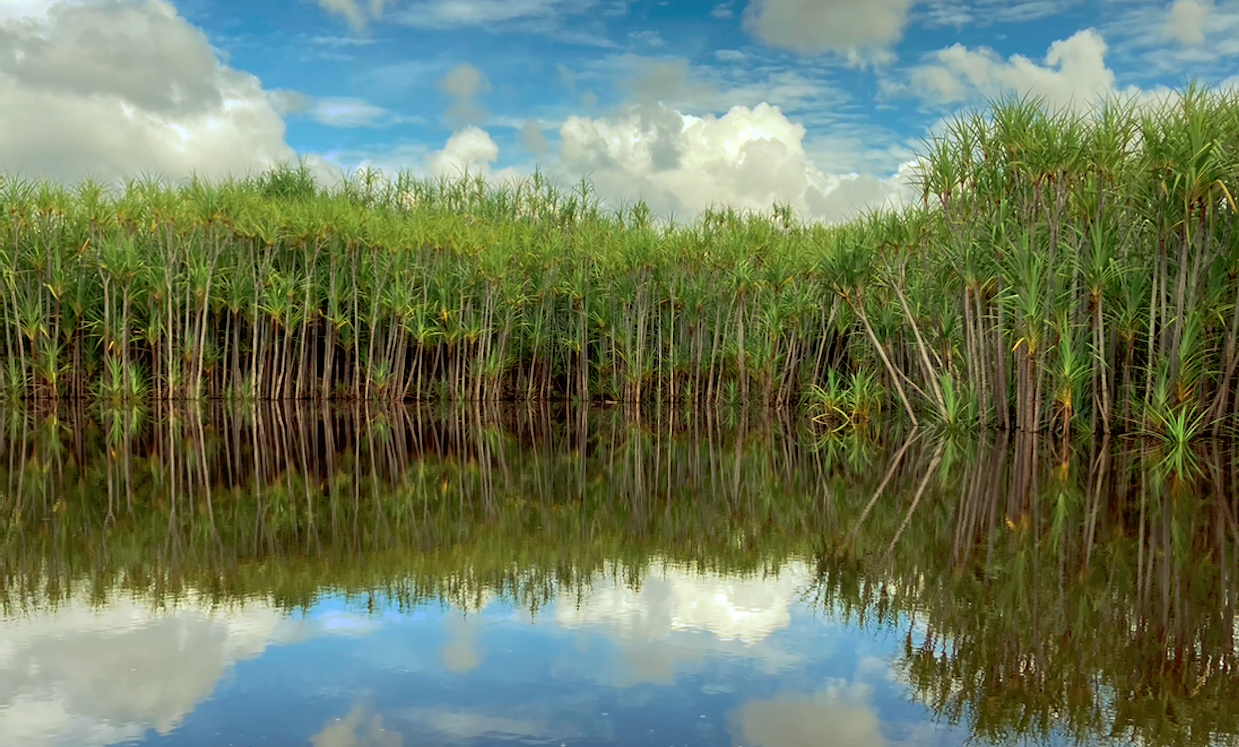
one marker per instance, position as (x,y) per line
(349,578)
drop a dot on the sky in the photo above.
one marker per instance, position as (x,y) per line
(818,104)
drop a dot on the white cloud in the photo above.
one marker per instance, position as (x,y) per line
(940,13)
(348,112)
(960,13)
(471,150)
(357,13)
(836,133)
(535,16)
(683,164)
(730,55)
(113,89)
(648,37)
(817,26)
(1185,21)
(444,14)
(1204,36)
(1021,11)
(689,139)
(1074,74)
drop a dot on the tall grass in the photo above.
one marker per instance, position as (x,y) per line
(1058,270)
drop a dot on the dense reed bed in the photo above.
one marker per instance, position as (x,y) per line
(1075,596)
(1059,271)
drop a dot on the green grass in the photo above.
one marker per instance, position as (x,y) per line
(1056,271)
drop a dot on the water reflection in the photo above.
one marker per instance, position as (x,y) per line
(467,577)
(91,674)
(360,728)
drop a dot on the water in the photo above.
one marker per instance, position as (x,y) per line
(443,577)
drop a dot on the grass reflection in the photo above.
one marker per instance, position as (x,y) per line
(1085,590)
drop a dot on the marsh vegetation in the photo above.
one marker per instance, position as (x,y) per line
(1060,271)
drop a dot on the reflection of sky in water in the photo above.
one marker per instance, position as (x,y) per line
(690,659)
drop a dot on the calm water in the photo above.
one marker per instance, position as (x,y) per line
(408,577)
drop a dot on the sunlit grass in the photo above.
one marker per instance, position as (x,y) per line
(1056,270)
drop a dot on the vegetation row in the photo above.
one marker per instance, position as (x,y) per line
(1059,270)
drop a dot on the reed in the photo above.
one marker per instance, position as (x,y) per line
(1058,271)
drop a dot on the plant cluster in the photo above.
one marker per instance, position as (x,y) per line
(1060,269)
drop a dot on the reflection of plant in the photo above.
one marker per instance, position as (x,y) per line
(1078,597)
(960,409)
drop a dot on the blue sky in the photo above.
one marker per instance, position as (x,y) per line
(817,103)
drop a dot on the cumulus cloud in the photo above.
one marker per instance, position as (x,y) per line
(1185,21)
(113,89)
(1073,74)
(463,84)
(469,151)
(817,26)
(683,164)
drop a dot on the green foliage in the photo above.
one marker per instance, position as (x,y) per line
(1054,265)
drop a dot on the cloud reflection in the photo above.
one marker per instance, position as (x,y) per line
(840,716)
(91,676)
(461,653)
(674,599)
(680,618)
(360,728)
